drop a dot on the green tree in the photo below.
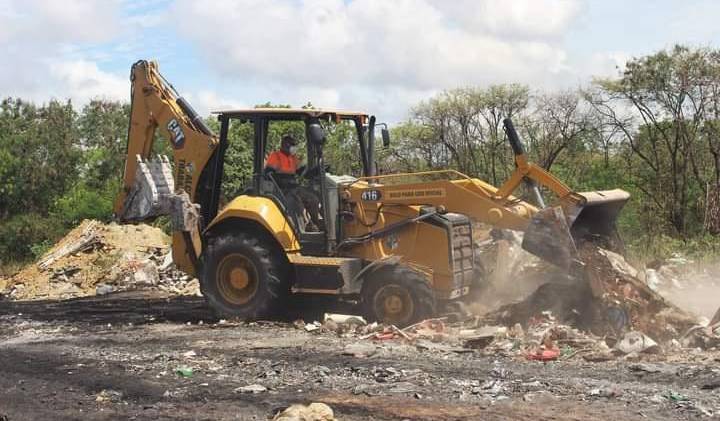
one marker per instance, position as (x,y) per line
(659,106)
(39,155)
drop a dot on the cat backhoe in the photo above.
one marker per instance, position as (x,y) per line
(399,245)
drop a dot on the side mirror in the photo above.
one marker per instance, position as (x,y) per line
(385,137)
(316,134)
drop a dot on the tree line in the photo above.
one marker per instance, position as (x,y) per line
(654,130)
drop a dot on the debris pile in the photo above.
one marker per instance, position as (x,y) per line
(97,259)
(625,301)
(607,298)
(605,313)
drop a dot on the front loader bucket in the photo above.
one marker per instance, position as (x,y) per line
(596,219)
(554,231)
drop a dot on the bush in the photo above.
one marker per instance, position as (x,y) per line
(83,202)
(20,235)
(700,248)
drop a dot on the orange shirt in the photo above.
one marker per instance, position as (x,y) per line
(282,162)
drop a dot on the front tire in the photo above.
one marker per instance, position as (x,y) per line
(397,295)
(240,277)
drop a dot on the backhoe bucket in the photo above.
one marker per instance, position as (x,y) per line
(150,194)
(153,194)
(554,231)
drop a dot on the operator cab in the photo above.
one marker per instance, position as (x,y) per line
(312,129)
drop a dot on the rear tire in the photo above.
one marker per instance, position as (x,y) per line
(397,295)
(240,277)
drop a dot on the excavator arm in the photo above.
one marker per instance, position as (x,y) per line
(153,188)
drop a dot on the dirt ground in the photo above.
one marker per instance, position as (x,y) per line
(117,356)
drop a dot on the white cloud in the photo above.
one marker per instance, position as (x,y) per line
(517,19)
(605,64)
(328,48)
(56,22)
(83,80)
(38,38)
(405,42)
(206,101)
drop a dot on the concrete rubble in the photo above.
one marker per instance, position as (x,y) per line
(99,259)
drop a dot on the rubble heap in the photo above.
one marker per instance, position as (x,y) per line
(626,301)
(96,258)
(607,298)
(602,312)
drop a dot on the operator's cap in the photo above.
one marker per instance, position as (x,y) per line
(288,138)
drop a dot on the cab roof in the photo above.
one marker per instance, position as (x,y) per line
(291,113)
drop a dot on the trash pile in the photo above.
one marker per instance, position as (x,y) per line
(545,339)
(607,298)
(604,313)
(542,338)
(96,259)
(623,300)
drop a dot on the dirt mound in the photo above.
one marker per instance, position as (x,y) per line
(96,258)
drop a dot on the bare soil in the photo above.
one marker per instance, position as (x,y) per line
(116,357)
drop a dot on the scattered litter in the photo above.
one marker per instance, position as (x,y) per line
(103,289)
(344,319)
(544,354)
(675,397)
(311,327)
(251,388)
(606,392)
(185,372)
(637,342)
(481,337)
(109,396)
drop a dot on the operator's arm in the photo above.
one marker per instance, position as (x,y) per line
(272,164)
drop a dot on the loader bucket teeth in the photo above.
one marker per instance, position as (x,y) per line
(548,237)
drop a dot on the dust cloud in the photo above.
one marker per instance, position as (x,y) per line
(692,286)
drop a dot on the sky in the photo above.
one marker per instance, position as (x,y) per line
(379,56)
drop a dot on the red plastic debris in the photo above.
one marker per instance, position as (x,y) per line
(544,354)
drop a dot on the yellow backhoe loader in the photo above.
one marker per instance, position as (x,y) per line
(400,245)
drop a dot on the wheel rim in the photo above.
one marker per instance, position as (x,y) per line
(237,279)
(393,304)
